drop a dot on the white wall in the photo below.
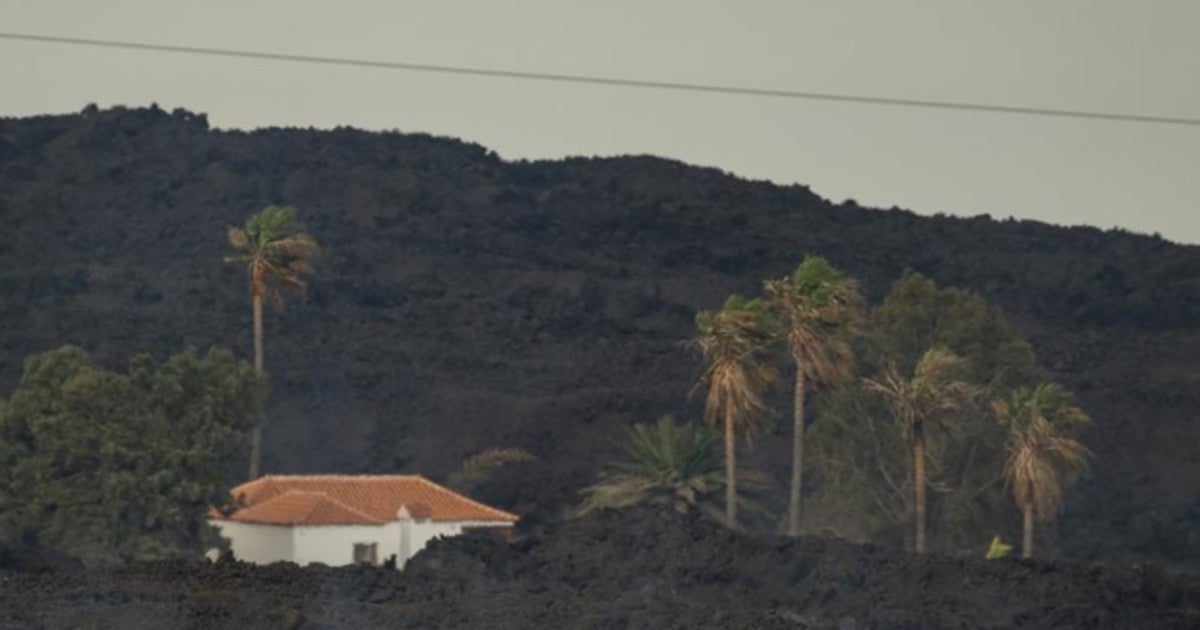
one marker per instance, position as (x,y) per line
(334,544)
(260,544)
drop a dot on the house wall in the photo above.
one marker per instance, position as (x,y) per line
(333,545)
(260,544)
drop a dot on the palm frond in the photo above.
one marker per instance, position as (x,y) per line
(933,388)
(291,280)
(477,468)
(301,265)
(271,223)
(237,237)
(821,309)
(297,245)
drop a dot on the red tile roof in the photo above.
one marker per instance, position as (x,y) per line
(352,500)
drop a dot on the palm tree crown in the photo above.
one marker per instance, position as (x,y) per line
(273,250)
(821,309)
(934,387)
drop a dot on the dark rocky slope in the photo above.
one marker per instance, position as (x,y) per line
(633,569)
(467,302)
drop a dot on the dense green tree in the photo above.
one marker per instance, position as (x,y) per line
(276,254)
(1042,457)
(863,487)
(917,315)
(820,311)
(734,341)
(933,388)
(110,467)
(665,464)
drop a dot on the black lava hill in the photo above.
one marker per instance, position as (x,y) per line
(465,301)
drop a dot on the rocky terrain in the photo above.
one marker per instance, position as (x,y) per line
(465,302)
(631,569)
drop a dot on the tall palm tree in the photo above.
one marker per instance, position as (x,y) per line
(933,388)
(820,309)
(275,254)
(733,341)
(665,464)
(1042,457)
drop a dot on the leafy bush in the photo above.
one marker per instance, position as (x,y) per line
(109,467)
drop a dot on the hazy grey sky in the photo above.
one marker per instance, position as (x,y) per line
(1127,57)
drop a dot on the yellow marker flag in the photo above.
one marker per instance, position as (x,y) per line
(997,549)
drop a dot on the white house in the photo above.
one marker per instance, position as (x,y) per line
(347,519)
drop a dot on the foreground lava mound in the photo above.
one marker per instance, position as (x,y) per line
(630,569)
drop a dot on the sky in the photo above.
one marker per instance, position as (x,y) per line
(1126,57)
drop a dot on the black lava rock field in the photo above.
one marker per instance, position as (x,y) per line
(629,569)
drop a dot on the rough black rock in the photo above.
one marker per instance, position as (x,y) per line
(631,569)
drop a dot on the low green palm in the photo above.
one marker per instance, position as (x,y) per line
(665,464)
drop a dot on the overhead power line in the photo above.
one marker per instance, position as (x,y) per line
(610,81)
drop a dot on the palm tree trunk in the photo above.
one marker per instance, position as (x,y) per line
(730,472)
(1027,543)
(919,488)
(793,528)
(256,433)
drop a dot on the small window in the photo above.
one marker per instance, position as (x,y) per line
(365,553)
